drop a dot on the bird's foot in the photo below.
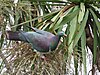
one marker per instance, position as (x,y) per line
(43,57)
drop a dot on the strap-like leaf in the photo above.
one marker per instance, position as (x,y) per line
(83,47)
(70,16)
(95,19)
(1,40)
(47,15)
(94,44)
(81,29)
(81,12)
(72,29)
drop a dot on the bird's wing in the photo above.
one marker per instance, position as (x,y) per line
(38,42)
(45,33)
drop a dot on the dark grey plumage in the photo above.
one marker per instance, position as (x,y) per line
(40,40)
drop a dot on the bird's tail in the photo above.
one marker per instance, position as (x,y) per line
(10,35)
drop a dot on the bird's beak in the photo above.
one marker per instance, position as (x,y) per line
(65,35)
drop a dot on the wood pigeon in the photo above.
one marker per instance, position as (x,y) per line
(40,40)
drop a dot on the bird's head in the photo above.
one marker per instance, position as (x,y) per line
(61,34)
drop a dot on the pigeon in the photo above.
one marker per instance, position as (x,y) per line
(40,40)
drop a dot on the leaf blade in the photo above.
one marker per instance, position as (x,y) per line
(95,19)
(83,47)
(81,29)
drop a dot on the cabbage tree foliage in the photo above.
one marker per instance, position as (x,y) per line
(80,19)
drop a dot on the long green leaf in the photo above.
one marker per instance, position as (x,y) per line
(68,11)
(83,47)
(96,8)
(81,12)
(95,19)
(73,23)
(35,19)
(58,24)
(70,16)
(72,29)
(81,29)
(54,20)
(1,40)
(94,44)
(76,65)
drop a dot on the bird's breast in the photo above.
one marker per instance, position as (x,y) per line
(41,45)
(54,42)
